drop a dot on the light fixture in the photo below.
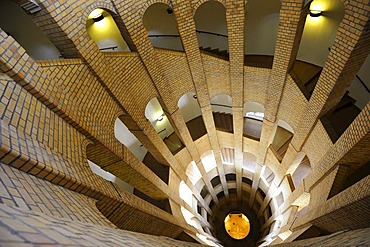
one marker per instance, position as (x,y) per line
(98,17)
(315,13)
(170,8)
(160,118)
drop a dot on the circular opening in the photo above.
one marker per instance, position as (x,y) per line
(237,225)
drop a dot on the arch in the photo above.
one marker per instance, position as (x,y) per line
(318,36)
(104,31)
(268,175)
(192,115)
(189,106)
(261,27)
(208,161)
(162,27)
(215,181)
(221,103)
(286,126)
(161,123)
(146,4)
(253,113)
(301,172)
(253,110)
(210,19)
(124,135)
(319,33)
(158,118)
(197,4)
(283,137)
(193,172)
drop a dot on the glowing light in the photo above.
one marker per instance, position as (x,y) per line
(315,13)
(237,225)
(95,13)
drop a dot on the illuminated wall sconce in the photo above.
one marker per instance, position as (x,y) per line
(160,118)
(315,13)
(98,17)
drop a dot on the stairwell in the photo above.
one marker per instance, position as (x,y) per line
(173,143)
(281,142)
(305,76)
(252,128)
(223,121)
(337,121)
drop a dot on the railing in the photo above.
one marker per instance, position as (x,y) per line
(363,83)
(109,48)
(177,35)
(222,105)
(211,33)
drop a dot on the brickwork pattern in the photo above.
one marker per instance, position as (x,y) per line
(343,238)
(26,228)
(19,189)
(52,110)
(290,19)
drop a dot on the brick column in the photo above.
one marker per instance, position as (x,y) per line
(184,16)
(291,22)
(235,26)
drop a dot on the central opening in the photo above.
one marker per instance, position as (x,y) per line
(237,225)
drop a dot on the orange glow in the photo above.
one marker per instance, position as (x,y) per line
(237,225)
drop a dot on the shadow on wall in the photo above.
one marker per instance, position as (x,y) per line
(15,21)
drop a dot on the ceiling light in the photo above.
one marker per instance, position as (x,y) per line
(315,13)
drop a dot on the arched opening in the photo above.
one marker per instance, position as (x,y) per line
(267,177)
(222,112)
(261,27)
(162,27)
(186,194)
(228,156)
(303,169)
(318,36)
(208,161)
(283,137)
(191,112)
(103,30)
(17,24)
(249,165)
(107,165)
(110,177)
(210,22)
(125,136)
(193,173)
(162,125)
(337,120)
(253,113)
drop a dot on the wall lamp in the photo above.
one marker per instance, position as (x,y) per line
(160,118)
(98,17)
(315,13)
